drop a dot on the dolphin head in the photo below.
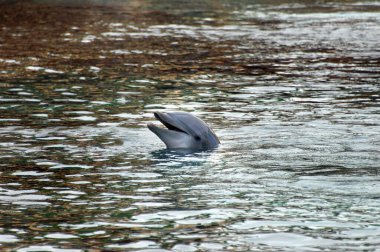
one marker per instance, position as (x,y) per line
(184,131)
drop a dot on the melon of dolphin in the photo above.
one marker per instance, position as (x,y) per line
(184,131)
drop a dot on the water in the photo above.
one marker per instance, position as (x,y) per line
(291,89)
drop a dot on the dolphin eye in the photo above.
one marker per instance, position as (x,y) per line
(197,138)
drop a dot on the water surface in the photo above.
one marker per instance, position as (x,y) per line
(291,88)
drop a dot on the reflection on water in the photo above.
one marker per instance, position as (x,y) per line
(291,89)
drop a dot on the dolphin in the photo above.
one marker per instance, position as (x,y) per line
(184,131)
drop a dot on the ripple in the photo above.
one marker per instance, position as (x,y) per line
(23,197)
(85,118)
(113,34)
(120,51)
(72,192)
(134,174)
(88,39)
(287,240)
(184,248)
(10,61)
(127,115)
(34,68)
(135,245)
(46,248)
(190,217)
(40,115)
(152,204)
(31,173)
(73,166)
(60,236)
(8,238)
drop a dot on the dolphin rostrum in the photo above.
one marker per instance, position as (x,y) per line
(184,131)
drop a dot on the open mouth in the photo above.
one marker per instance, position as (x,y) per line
(169,126)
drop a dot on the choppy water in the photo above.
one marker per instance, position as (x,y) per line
(292,90)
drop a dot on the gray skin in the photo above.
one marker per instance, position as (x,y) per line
(184,131)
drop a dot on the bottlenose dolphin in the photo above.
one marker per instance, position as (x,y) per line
(184,131)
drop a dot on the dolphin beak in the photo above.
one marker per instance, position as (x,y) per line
(168,136)
(172,130)
(157,130)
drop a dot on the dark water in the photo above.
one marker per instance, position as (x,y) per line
(291,88)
